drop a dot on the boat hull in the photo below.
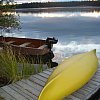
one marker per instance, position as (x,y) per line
(37,49)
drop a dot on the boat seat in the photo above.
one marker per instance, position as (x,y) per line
(42,47)
(1,48)
(9,42)
(25,44)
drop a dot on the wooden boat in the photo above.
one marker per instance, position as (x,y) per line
(35,48)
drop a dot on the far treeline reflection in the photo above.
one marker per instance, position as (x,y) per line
(58,4)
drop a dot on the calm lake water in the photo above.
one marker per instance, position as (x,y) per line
(78,30)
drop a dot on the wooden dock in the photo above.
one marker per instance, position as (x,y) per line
(29,89)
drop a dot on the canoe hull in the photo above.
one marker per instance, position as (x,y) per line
(72,77)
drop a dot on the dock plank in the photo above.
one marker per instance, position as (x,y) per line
(71,97)
(78,95)
(5,95)
(40,78)
(44,75)
(33,84)
(20,92)
(47,72)
(13,93)
(26,92)
(29,89)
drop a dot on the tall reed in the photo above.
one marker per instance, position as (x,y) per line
(14,68)
(8,65)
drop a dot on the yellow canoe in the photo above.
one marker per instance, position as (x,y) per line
(69,76)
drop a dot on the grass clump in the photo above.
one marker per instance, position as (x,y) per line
(14,68)
(8,65)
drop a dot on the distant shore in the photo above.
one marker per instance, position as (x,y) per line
(54,9)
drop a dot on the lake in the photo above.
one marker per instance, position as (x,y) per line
(77,29)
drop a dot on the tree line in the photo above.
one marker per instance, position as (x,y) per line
(58,4)
(50,4)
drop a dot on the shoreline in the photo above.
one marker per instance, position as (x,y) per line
(54,9)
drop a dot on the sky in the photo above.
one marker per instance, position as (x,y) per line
(24,1)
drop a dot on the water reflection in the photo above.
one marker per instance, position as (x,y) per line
(76,29)
(94,14)
(58,9)
(91,14)
(83,14)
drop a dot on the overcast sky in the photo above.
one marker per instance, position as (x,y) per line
(24,1)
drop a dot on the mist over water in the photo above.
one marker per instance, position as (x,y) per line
(77,31)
